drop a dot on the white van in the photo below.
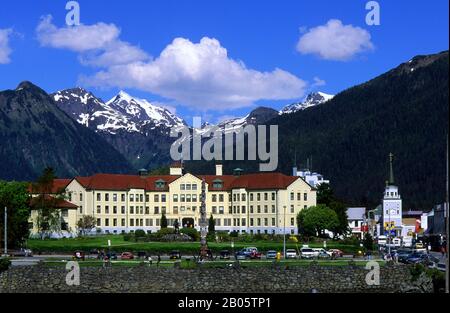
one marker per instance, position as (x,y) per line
(382,240)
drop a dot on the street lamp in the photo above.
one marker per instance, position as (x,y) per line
(284,231)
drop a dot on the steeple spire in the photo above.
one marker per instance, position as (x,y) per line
(391,168)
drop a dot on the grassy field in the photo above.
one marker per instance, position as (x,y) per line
(118,244)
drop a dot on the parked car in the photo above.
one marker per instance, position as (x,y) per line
(324,255)
(79,256)
(403,255)
(242,255)
(22,253)
(255,254)
(271,254)
(225,254)
(111,255)
(422,258)
(336,253)
(142,254)
(291,254)
(307,253)
(175,255)
(251,253)
(127,256)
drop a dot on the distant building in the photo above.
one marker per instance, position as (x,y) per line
(357,221)
(312,178)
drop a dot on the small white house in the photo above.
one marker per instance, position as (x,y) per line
(356,219)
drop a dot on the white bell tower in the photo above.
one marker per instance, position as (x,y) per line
(392,203)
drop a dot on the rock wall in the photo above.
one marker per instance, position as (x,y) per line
(145,279)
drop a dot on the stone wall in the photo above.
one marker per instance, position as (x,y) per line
(145,279)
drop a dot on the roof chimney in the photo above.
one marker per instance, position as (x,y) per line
(176,169)
(219,169)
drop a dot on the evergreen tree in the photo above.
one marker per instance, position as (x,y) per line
(163,221)
(211,225)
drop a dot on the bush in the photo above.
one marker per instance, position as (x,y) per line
(139,233)
(165,231)
(128,237)
(5,263)
(234,234)
(191,232)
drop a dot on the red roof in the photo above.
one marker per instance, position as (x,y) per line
(55,203)
(258,181)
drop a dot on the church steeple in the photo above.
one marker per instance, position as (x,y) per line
(391,169)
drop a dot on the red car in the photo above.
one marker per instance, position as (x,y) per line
(127,256)
(337,253)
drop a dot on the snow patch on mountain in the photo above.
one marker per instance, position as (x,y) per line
(312,100)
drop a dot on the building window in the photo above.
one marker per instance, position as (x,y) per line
(131,198)
(115,222)
(292,221)
(259,221)
(266,196)
(147,210)
(251,209)
(156,210)
(273,221)
(123,209)
(243,209)
(81,196)
(292,209)
(273,209)
(273,196)
(106,209)
(99,197)
(305,197)
(258,209)
(163,210)
(157,222)
(188,198)
(214,198)
(115,197)
(188,186)
(292,196)
(258,197)
(175,210)
(132,222)
(221,210)
(106,196)
(251,196)
(221,198)
(266,222)
(99,210)
(81,209)
(131,209)
(123,222)
(182,198)
(175,198)
(266,209)
(115,209)
(214,210)
(299,196)
(194,187)
(182,187)
(194,198)
(99,222)
(122,197)
(156,198)
(243,197)
(243,222)
(163,198)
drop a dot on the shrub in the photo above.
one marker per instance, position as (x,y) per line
(234,234)
(128,237)
(165,231)
(191,232)
(139,234)
(5,263)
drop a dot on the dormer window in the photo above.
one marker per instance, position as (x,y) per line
(218,183)
(160,184)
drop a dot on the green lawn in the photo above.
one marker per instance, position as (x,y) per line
(118,244)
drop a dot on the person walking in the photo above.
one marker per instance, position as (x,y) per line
(150,261)
(159,260)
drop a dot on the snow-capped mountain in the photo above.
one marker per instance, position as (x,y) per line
(122,113)
(311,100)
(255,117)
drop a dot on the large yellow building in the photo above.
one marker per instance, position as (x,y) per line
(252,203)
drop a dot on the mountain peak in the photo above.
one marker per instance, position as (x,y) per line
(29,86)
(311,100)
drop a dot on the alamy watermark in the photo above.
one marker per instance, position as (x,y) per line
(73,276)
(227,143)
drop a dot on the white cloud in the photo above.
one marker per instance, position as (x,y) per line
(335,41)
(77,38)
(201,75)
(318,82)
(5,49)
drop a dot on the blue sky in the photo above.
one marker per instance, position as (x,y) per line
(231,56)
